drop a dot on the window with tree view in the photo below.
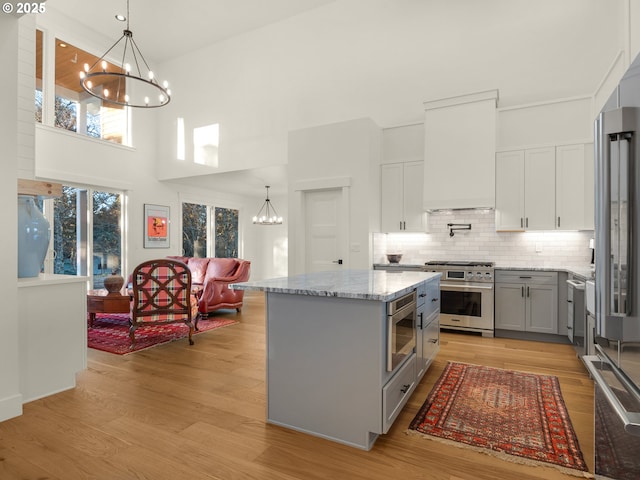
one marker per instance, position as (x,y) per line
(226,232)
(73,251)
(194,230)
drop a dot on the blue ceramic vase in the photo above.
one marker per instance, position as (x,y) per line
(33,237)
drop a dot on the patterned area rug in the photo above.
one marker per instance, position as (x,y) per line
(110,332)
(517,416)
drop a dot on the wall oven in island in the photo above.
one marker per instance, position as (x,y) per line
(466,295)
(401,334)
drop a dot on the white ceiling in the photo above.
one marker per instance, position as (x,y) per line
(186,25)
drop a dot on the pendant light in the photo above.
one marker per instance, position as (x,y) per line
(267,214)
(132,83)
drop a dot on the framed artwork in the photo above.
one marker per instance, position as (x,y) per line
(156,226)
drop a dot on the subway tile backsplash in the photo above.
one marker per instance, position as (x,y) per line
(482,242)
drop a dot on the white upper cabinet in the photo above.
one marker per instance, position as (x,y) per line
(548,188)
(574,187)
(459,151)
(401,197)
(525,189)
(510,190)
(540,188)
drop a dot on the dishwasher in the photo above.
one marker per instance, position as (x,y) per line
(576,317)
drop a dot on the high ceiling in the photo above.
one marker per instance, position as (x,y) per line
(184,25)
(165,30)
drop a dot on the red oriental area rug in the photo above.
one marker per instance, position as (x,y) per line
(517,416)
(110,332)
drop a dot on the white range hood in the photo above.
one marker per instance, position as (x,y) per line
(459,152)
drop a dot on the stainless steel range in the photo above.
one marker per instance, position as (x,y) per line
(466,295)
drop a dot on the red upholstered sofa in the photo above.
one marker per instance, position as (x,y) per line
(215,275)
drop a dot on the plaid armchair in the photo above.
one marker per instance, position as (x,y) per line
(161,291)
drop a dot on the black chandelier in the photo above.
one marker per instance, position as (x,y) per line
(132,83)
(267,214)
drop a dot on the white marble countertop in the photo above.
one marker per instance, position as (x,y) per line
(360,284)
(585,272)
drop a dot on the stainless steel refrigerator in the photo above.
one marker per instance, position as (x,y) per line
(615,366)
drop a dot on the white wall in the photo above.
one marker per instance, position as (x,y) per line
(267,245)
(341,150)
(10,397)
(78,160)
(547,123)
(381,60)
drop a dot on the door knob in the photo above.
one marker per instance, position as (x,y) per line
(339,261)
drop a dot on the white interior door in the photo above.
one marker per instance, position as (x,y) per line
(323,230)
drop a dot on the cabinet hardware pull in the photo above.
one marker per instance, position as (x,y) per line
(434,299)
(570,301)
(526,222)
(405,388)
(525,277)
(422,295)
(528,292)
(569,328)
(522,291)
(404,225)
(421,315)
(433,340)
(558,221)
(400,224)
(521,222)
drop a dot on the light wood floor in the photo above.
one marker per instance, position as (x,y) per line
(180,412)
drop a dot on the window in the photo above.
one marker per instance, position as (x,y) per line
(73,108)
(196,223)
(38,76)
(226,240)
(107,236)
(194,230)
(65,232)
(75,251)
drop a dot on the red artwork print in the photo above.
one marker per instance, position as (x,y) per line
(157,227)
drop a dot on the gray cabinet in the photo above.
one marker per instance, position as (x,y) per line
(327,362)
(526,301)
(427,326)
(397,391)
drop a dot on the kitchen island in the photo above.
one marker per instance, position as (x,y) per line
(328,350)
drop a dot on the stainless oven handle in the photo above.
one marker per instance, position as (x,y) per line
(402,311)
(631,420)
(451,286)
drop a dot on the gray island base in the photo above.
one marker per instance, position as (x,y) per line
(327,350)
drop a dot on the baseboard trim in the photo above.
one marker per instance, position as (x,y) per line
(534,336)
(10,407)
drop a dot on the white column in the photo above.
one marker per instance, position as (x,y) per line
(10,397)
